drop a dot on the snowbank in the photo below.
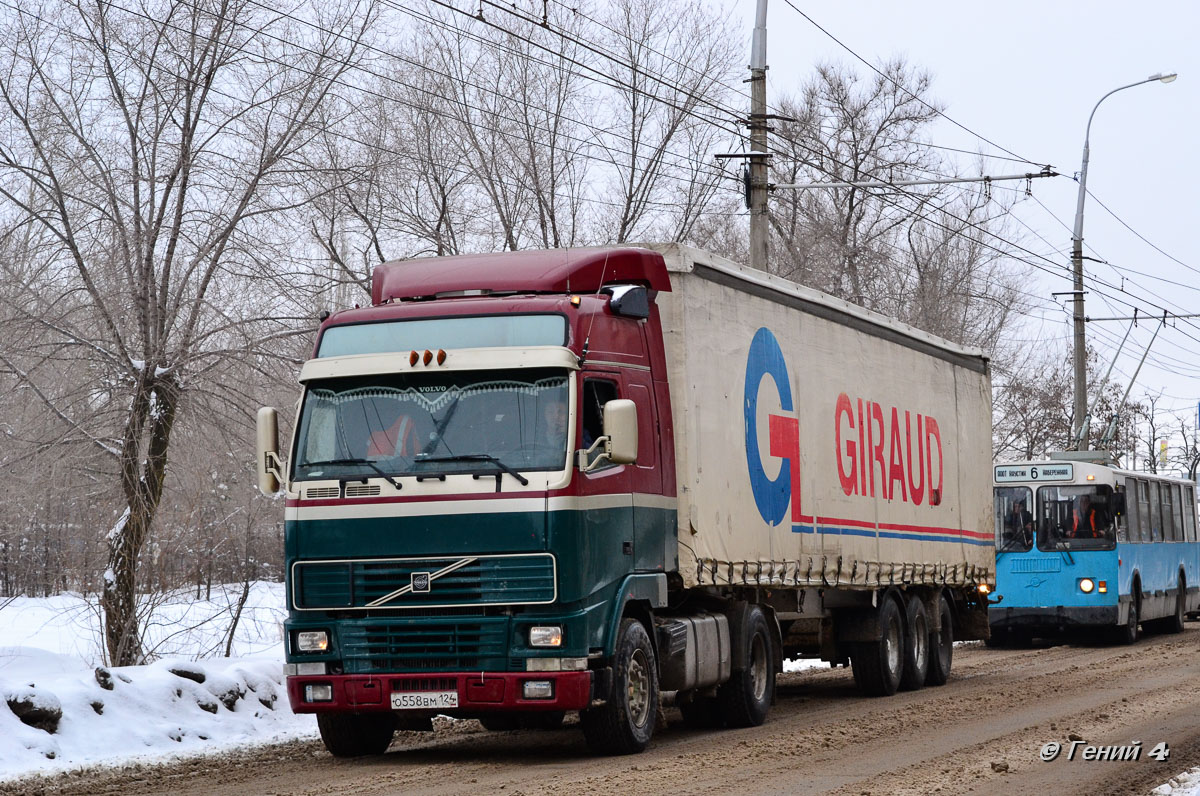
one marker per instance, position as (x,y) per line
(59,709)
(1185,784)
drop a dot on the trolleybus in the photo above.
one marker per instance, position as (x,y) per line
(1085,546)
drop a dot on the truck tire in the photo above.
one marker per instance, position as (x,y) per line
(356,734)
(624,724)
(878,665)
(941,646)
(746,698)
(916,644)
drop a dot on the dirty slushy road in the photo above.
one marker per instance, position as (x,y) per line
(980,733)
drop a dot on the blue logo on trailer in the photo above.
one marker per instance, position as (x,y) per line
(765,360)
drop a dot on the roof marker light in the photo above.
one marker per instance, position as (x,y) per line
(428,356)
(575,301)
(413,358)
(441,357)
(1091,477)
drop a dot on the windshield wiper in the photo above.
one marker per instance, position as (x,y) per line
(473,457)
(368,463)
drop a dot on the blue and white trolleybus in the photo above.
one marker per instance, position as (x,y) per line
(1084,546)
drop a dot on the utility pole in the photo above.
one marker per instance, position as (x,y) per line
(758,141)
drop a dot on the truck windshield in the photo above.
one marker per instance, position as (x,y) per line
(1075,518)
(1014,518)
(433,424)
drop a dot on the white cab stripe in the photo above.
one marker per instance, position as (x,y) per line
(461,507)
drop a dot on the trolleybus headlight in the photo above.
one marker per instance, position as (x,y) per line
(1086,585)
(312,641)
(549,636)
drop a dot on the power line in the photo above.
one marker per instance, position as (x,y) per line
(887,77)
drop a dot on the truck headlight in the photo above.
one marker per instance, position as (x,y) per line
(312,641)
(1086,585)
(549,636)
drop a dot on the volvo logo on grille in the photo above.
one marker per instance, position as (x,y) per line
(420,581)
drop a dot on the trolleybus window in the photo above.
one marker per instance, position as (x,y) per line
(1014,520)
(1156,534)
(1189,513)
(1142,489)
(1075,518)
(1168,511)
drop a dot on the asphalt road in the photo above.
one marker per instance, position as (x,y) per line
(980,733)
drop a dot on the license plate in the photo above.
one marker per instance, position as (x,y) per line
(424,700)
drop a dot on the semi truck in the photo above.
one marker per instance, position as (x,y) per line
(609,480)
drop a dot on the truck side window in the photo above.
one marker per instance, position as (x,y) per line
(596,393)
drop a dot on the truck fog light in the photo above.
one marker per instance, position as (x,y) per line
(538,689)
(1103,587)
(310,668)
(1086,585)
(550,636)
(318,692)
(312,641)
(555,664)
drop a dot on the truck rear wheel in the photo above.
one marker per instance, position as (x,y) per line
(916,644)
(941,646)
(624,724)
(356,734)
(878,665)
(746,698)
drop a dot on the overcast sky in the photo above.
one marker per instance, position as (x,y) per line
(1025,75)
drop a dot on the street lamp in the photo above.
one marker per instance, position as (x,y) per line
(1081,411)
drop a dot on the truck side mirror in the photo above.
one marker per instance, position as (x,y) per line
(270,468)
(621,431)
(618,442)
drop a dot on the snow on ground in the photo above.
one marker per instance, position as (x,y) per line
(76,712)
(1185,784)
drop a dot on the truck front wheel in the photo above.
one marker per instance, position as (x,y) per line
(356,734)
(747,697)
(878,665)
(624,724)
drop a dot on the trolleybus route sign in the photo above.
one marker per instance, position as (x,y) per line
(1035,472)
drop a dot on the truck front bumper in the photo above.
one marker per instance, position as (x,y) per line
(477,692)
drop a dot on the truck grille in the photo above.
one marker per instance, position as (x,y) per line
(404,646)
(412,584)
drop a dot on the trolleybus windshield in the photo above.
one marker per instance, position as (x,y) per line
(1075,518)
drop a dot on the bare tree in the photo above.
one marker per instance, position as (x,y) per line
(153,147)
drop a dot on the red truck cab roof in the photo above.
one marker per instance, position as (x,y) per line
(561,271)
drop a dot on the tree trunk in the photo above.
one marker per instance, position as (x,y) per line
(155,402)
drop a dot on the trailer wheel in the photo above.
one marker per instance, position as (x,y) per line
(356,734)
(941,646)
(878,664)
(916,645)
(745,699)
(624,724)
